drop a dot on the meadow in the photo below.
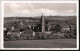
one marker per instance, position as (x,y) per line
(52,43)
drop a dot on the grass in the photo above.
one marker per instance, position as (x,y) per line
(55,43)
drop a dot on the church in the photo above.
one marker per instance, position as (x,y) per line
(41,27)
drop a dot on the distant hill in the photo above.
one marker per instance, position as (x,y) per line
(47,18)
(52,20)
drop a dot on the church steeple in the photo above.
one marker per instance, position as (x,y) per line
(42,23)
(41,17)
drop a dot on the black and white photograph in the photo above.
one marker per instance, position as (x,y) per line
(34,25)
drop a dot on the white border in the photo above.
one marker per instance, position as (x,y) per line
(41,2)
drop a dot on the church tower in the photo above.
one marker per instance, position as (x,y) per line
(42,24)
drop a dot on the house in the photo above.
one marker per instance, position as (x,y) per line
(65,28)
(73,27)
(68,27)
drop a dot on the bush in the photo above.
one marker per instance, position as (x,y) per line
(69,35)
(6,39)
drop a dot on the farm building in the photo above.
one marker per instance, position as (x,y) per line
(68,27)
(65,28)
(73,27)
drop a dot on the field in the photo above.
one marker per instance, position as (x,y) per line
(53,43)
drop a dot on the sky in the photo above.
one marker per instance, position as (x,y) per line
(37,9)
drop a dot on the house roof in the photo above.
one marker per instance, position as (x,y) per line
(67,26)
(64,25)
(72,26)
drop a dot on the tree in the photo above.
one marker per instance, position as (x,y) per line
(46,26)
(57,28)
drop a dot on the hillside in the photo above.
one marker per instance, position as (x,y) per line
(47,18)
(51,19)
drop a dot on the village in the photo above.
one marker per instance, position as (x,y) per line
(41,29)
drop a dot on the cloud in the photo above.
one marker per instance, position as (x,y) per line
(21,9)
(37,12)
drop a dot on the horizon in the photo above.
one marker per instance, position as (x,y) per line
(38,16)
